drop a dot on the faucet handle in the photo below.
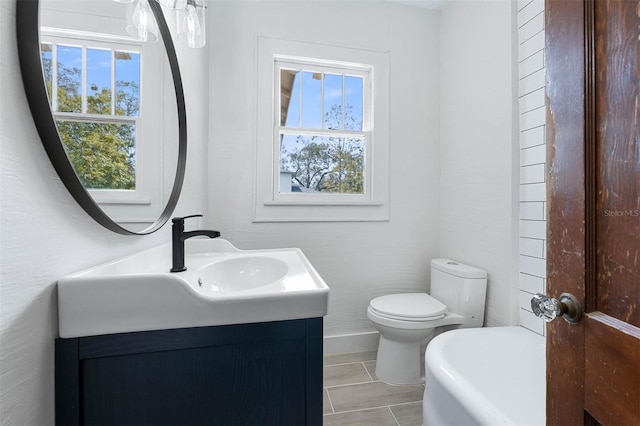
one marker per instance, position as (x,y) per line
(181,219)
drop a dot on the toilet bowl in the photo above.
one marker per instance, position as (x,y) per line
(408,321)
(405,322)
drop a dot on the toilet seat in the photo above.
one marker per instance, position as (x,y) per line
(417,307)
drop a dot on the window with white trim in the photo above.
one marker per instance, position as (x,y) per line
(94,90)
(103,88)
(322,133)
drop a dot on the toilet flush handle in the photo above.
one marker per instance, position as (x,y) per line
(549,308)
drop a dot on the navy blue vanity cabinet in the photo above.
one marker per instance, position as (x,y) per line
(246,374)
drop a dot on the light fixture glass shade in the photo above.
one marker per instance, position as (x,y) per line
(172,4)
(191,24)
(141,23)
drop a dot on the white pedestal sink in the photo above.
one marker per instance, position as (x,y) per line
(222,285)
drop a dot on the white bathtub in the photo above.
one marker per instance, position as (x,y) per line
(485,376)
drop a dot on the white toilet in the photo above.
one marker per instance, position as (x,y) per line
(408,321)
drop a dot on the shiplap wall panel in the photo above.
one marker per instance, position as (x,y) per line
(532,111)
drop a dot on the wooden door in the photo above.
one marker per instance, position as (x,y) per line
(593,149)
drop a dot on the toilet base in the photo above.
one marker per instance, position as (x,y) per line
(399,363)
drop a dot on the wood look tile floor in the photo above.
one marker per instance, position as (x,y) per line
(353,395)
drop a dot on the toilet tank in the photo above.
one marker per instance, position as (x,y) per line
(462,288)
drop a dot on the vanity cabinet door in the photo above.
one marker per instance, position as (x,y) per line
(251,374)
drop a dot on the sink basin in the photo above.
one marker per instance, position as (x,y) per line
(241,273)
(222,285)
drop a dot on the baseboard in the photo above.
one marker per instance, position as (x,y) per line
(349,343)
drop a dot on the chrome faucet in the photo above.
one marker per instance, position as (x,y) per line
(177,240)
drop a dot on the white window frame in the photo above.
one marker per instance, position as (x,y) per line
(86,40)
(273,206)
(357,70)
(142,205)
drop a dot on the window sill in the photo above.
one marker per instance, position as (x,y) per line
(122,199)
(320,211)
(321,203)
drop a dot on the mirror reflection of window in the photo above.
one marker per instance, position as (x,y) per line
(46,50)
(68,79)
(127,83)
(98,81)
(95,95)
(122,86)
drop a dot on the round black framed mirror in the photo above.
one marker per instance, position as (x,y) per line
(40,95)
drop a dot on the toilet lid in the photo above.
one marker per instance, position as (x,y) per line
(413,306)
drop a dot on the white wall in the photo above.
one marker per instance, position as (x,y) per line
(359,261)
(478,147)
(533,195)
(46,235)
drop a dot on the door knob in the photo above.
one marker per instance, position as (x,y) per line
(549,308)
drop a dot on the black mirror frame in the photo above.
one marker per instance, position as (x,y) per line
(28,35)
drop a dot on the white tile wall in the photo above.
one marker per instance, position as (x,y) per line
(532,27)
(531,64)
(533,229)
(528,10)
(534,118)
(532,211)
(532,137)
(533,225)
(531,247)
(532,174)
(532,81)
(533,192)
(532,101)
(533,155)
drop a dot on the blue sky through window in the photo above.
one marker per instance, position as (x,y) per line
(98,69)
(128,70)
(311,98)
(314,105)
(70,61)
(98,74)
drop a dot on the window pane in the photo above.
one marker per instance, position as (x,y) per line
(98,81)
(69,79)
(347,175)
(333,101)
(127,83)
(353,97)
(46,51)
(311,100)
(289,98)
(103,154)
(323,164)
